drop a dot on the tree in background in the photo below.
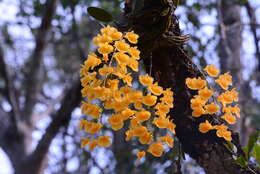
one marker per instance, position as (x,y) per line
(39,80)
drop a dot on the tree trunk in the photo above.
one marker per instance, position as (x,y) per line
(161,45)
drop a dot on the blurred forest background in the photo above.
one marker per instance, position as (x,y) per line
(43,43)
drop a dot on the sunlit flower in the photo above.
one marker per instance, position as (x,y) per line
(105,49)
(205,93)
(211,108)
(108,30)
(205,127)
(133,64)
(121,58)
(116,122)
(146,80)
(140,154)
(168,140)
(93,128)
(229,118)
(155,89)
(198,111)
(134,52)
(139,131)
(127,113)
(146,138)
(105,70)
(116,35)
(93,144)
(132,37)
(149,100)
(84,142)
(129,134)
(224,80)
(104,141)
(122,46)
(92,61)
(195,83)
(143,116)
(212,70)
(156,149)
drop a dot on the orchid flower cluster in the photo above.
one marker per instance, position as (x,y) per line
(203,103)
(107,78)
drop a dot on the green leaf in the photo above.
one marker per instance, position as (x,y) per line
(241,161)
(256,153)
(100,14)
(251,142)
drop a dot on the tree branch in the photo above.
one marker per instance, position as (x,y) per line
(251,13)
(34,76)
(9,87)
(60,119)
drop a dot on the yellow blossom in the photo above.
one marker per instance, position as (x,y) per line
(211,108)
(224,133)
(146,138)
(92,110)
(195,83)
(105,70)
(161,122)
(146,80)
(104,141)
(143,116)
(93,128)
(102,39)
(93,144)
(92,61)
(198,111)
(121,58)
(229,118)
(127,113)
(162,108)
(205,127)
(84,142)
(156,149)
(127,79)
(134,122)
(212,70)
(132,37)
(168,140)
(134,52)
(155,89)
(140,154)
(205,93)
(116,122)
(197,101)
(139,131)
(108,30)
(105,49)
(129,134)
(236,110)
(224,80)
(113,84)
(133,64)
(122,46)
(116,35)
(149,100)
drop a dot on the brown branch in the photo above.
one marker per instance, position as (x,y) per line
(10,89)
(34,75)
(251,13)
(60,118)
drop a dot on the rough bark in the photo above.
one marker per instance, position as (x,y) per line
(161,44)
